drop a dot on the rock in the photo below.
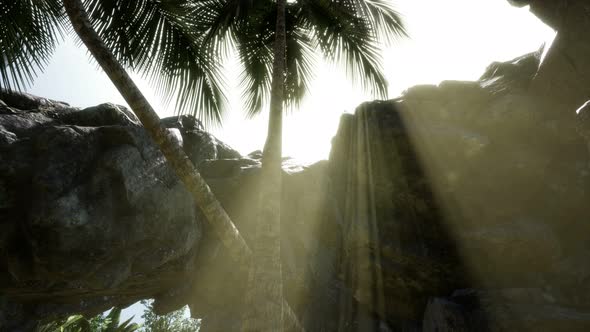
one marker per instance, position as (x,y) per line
(561,15)
(583,121)
(498,254)
(199,145)
(511,76)
(25,101)
(184,122)
(502,310)
(90,210)
(255,154)
(445,316)
(101,115)
(565,65)
(382,196)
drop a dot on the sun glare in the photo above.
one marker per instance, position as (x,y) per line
(450,40)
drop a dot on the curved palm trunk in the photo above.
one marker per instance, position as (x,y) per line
(264,300)
(179,161)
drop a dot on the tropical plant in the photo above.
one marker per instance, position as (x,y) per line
(175,321)
(100,323)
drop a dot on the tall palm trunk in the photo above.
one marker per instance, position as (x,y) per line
(179,161)
(264,300)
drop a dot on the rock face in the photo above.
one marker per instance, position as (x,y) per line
(89,210)
(461,206)
(566,64)
(513,181)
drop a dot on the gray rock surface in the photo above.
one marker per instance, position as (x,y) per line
(502,310)
(565,67)
(90,214)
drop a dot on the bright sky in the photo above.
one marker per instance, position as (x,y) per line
(450,40)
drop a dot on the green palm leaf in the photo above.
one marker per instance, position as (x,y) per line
(346,37)
(301,62)
(254,36)
(347,32)
(29,32)
(382,17)
(162,40)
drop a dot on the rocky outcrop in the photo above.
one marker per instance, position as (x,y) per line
(514,185)
(90,214)
(519,309)
(562,79)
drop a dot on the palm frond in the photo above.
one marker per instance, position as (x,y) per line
(29,33)
(218,17)
(254,38)
(348,38)
(113,320)
(382,16)
(159,39)
(301,62)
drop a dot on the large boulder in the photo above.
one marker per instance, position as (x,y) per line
(516,309)
(90,214)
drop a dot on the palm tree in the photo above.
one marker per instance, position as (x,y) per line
(152,36)
(264,302)
(181,164)
(345,31)
(179,161)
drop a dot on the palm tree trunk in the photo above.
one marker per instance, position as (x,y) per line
(179,161)
(264,300)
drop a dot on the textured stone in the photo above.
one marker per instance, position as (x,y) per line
(89,208)
(502,310)
(560,78)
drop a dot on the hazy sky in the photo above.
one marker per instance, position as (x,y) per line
(449,40)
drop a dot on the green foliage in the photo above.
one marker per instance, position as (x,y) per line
(29,32)
(172,322)
(180,44)
(165,41)
(100,323)
(346,32)
(158,38)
